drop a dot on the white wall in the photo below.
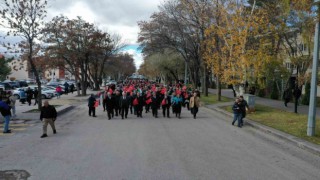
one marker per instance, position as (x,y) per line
(19,69)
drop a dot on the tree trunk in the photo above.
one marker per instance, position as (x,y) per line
(218,88)
(36,74)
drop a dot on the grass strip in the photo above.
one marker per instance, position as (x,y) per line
(288,122)
(213,99)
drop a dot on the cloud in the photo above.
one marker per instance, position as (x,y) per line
(119,16)
(116,17)
(137,55)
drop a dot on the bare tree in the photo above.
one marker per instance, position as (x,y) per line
(26,19)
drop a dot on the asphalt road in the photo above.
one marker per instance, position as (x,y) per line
(153,149)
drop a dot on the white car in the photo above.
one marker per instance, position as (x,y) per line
(44,94)
(46,89)
(111,82)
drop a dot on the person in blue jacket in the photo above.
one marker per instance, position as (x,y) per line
(176,105)
(5,110)
(23,96)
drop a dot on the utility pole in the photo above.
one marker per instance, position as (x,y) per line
(314,79)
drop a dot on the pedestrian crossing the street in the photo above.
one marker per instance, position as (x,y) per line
(15,128)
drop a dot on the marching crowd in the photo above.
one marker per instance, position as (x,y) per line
(138,96)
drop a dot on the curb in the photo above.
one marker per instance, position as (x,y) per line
(60,110)
(303,144)
(64,109)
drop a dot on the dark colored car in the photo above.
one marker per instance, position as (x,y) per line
(14,84)
(6,86)
(23,83)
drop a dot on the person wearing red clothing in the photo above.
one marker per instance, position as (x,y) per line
(59,91)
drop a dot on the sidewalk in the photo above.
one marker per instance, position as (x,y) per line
(302,109)
(65,102)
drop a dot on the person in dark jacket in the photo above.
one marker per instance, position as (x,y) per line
(5,110)
(124,103)
(237,112)
(139,105)
(48,115)
(109,103)
(243,106)
(29,93)
(117,97)
(287,95)
(66,88)
(35,95)
(91,105)
(72,88)
(154,104)
(166,103)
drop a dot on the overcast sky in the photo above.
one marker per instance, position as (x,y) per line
(113,16)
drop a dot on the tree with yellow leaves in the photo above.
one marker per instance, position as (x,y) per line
(237,44)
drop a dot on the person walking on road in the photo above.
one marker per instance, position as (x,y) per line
(48,115)
(154,104)
(91,105)
(194,104)
(166,103)
(13,100)
(138,104)
(109,104)
(243,106)
(287,95)
(5,110)
(72,88)
(177,104)
(66,88)
(237,112)
(29,93)
(117,98)
(35,95)
(59,91)
(22,96)
(124,103)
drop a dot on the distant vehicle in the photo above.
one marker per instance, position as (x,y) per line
(45,89)
(43,81)
(6,85)
(54,88)
(13,84)
(54,83)
(23,83)
(111,82)
(44,94)
(31,81)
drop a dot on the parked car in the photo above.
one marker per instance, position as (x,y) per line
(13,84)
(54,88)
(6,86)
(112,82)
(23,83)
(44,94)
(45,89)
(54,83)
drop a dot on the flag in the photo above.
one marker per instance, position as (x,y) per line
(163,90)
(178,91)
(184,88)
(148,101)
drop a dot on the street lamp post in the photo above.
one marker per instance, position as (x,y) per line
(314,79)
